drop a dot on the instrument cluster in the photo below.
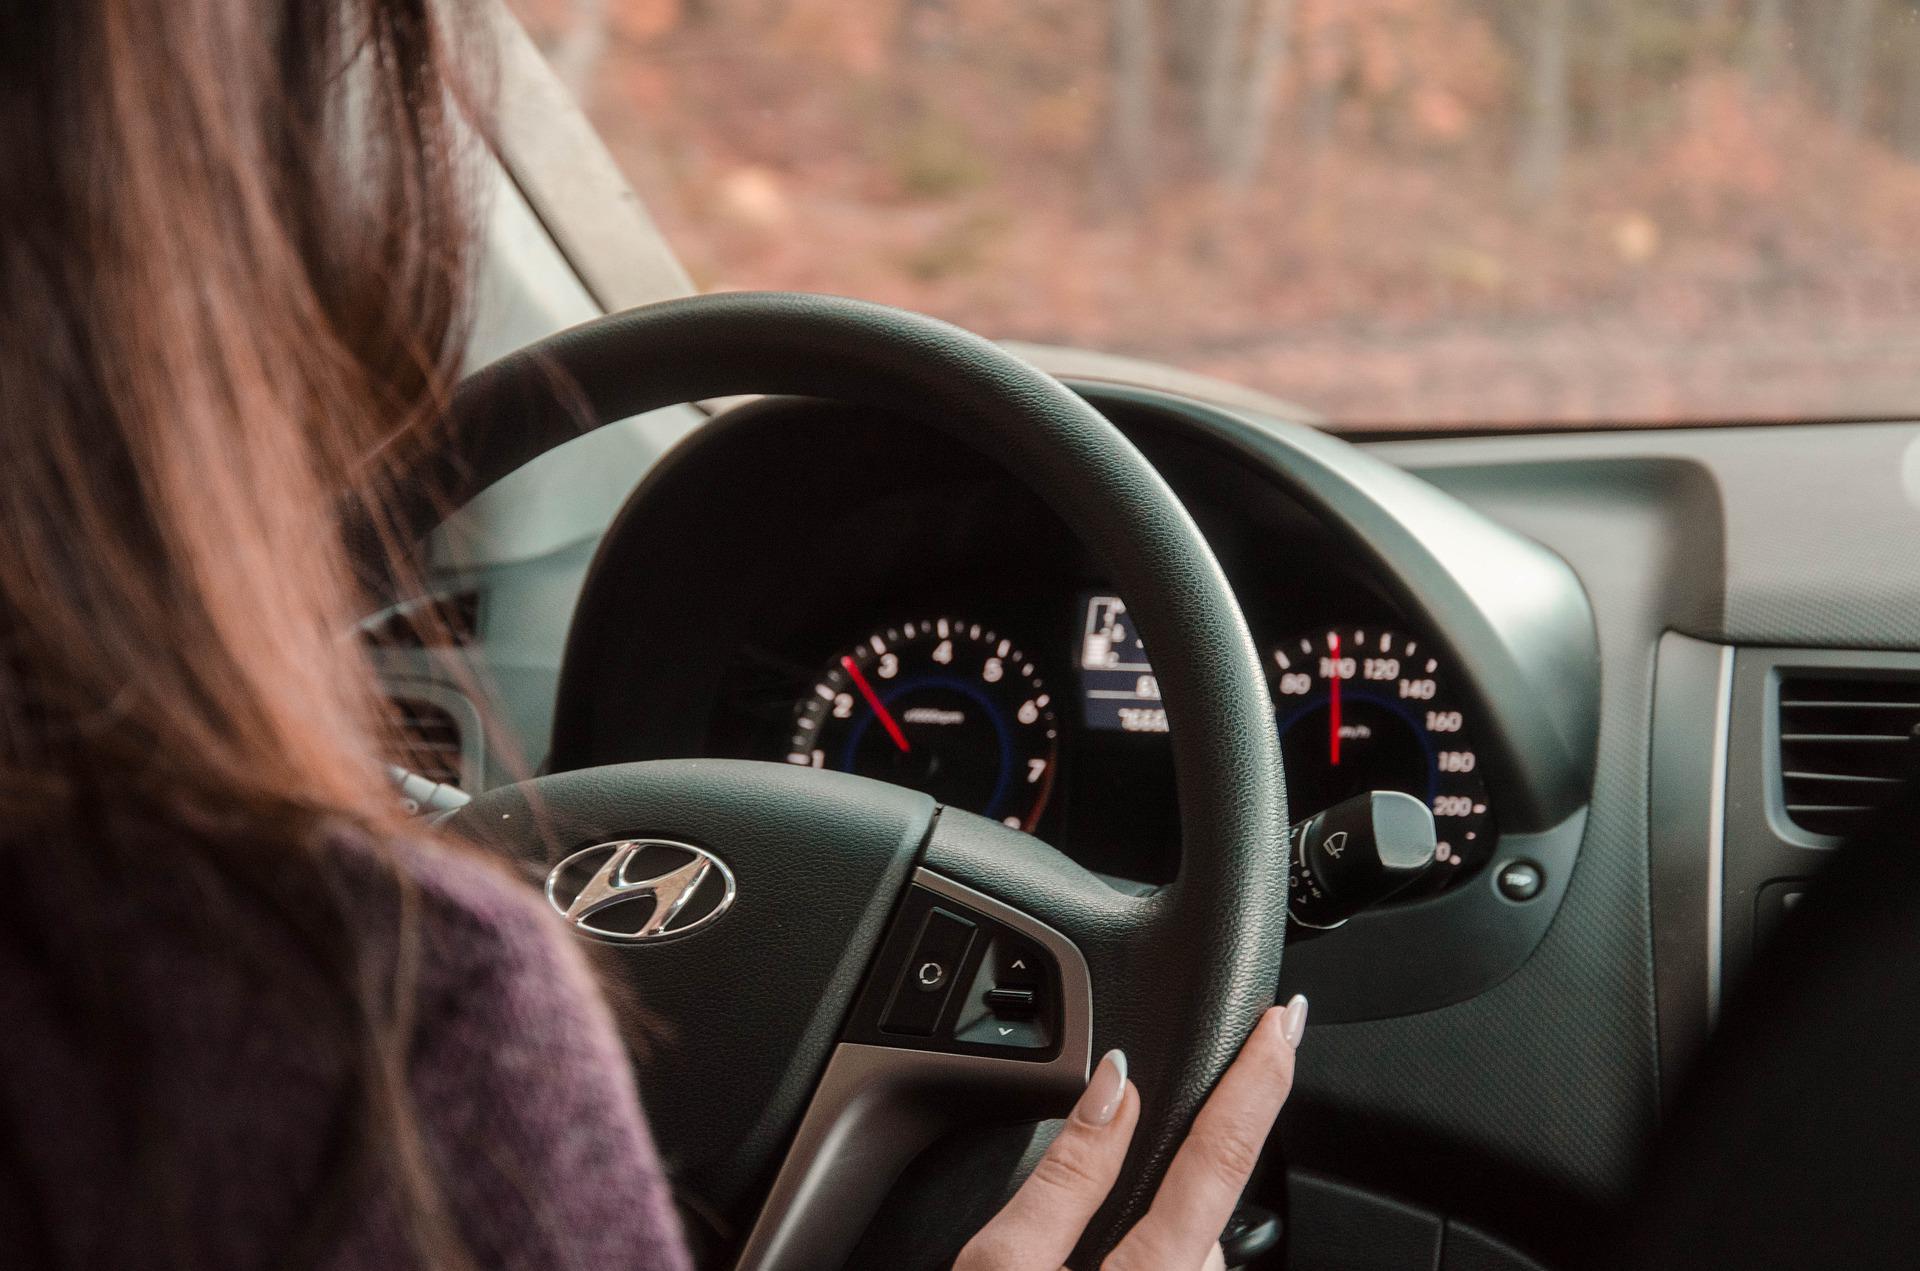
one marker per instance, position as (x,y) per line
(973,716)
(883,601)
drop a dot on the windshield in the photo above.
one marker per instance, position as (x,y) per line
(1394,213)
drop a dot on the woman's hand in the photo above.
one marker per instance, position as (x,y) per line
(1181,1230)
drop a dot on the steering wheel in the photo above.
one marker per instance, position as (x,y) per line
(840,969)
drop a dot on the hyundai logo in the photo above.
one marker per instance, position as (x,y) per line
(640,890)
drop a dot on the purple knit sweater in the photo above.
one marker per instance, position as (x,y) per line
(525,1094)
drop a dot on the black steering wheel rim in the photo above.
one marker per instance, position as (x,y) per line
(1180,976)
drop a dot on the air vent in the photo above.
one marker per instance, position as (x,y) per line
(429,740)
(436,622)
(1845,746)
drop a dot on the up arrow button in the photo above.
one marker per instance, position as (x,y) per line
(1017,964)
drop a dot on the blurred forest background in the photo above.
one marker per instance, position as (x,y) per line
(1395,212)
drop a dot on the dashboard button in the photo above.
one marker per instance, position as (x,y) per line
(1519,880)
(1775,905)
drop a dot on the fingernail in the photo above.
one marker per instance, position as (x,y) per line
(1293,1025)
(1101,1100)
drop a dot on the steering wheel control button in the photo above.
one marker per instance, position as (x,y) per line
(1012,1001)
(1011,1034)
(927,982)
(1519,880)
(950,978)
(1017,963)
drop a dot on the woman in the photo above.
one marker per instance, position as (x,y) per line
(255,1018)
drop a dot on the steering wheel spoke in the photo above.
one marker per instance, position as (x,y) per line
(745,972)
(973,1010)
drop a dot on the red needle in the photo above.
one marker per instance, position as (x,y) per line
(1333,717)
(873,700)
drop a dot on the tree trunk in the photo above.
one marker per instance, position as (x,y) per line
(1266,69)
(1325,63)
(1714,23)
(1850,62)
(921,29)
(1130,115)
(1907,126)
(1543,145)
(1189,35)
(1613,68)
(1763,48)
(1712,13)
(1220,80)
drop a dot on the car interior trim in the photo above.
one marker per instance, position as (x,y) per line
(560,165)
(1717,830)
(1686,833)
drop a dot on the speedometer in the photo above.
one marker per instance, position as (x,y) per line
(1369,708)
(946,706)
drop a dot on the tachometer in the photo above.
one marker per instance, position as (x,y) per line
(946,706)
(1368,708)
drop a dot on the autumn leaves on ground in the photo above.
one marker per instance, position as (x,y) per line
(1394,212)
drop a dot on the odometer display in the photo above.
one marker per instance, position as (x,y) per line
(946,706)
(1368,708)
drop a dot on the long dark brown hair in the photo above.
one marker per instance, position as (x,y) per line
(234,238)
